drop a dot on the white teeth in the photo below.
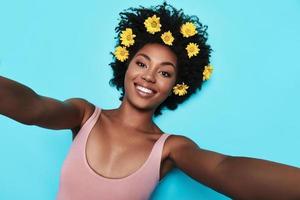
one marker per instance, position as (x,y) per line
(144,89)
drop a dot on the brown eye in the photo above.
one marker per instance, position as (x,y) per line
(165,74)
(140,64)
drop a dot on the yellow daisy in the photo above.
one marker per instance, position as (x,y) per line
(127,37)
(167,38)
(180,89)
(207,72)
(192,49)
(188,29)
(121,53)
(152,24)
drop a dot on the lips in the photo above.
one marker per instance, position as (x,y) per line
(144,91)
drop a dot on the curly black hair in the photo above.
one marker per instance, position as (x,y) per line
(190,70)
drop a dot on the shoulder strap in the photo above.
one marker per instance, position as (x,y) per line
(92,119)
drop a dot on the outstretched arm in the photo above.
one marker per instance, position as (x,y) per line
(240,178)
(22,104)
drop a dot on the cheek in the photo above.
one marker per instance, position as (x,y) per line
(166,87)
(130,75)
(131,71)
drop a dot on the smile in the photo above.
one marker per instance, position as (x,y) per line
(144,92)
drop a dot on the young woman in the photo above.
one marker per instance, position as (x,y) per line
(161,59)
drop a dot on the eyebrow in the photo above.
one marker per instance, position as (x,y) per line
(163,63)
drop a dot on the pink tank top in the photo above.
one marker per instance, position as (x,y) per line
(78,181)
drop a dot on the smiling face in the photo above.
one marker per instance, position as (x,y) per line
(150,76)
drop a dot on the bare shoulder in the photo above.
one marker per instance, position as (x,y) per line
(177,142)
(84,105)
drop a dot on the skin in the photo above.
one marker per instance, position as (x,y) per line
(150,68)
(236,177)
(117,147)
(153,66)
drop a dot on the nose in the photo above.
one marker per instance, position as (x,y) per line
(148,76)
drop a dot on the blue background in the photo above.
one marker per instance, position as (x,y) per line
(250,106)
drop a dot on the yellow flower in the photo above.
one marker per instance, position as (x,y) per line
(192,49)
(188,29)
(127,37)
(152,24)
(207,72)
(121,53)
(167,38)
(180,89)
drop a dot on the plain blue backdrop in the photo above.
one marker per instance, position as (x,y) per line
(60,49)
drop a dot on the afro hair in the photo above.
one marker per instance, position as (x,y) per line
(190,70)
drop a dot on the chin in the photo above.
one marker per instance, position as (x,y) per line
(142,104)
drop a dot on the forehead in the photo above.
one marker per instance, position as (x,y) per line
(158,52)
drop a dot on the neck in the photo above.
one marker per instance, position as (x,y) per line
(136,118)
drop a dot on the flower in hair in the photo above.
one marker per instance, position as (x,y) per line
(188,29)
(192,49)
(167,38)
(180,89)
(127,37)
(121,53)
(207,72)
(152,24)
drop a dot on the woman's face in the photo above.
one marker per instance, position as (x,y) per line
(150,76)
